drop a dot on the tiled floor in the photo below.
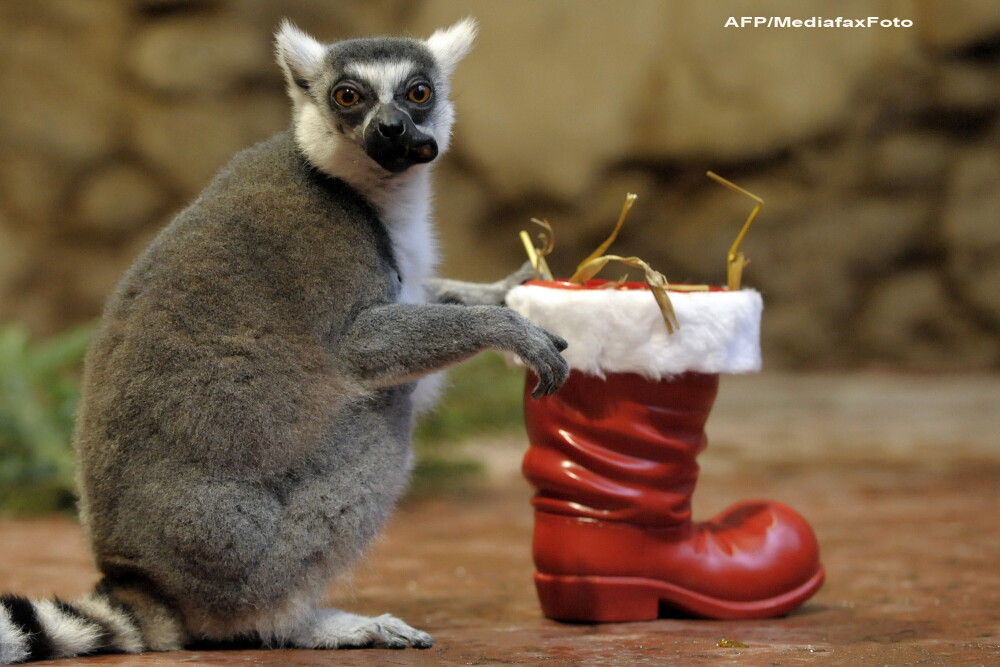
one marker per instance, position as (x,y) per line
(900,477)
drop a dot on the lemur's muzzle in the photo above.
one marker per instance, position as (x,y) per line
(393,140)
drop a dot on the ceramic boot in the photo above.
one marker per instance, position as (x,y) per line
(613,459)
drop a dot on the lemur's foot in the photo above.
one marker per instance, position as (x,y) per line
(332,628)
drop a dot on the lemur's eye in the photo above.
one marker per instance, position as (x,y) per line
(346,96)
(419,94)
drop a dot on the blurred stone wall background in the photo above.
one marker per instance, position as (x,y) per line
(877,150)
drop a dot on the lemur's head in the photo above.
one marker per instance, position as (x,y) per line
(381,97)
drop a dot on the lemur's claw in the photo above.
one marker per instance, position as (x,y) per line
(540,351)
(552,376)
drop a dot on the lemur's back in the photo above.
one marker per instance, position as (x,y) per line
(214,413)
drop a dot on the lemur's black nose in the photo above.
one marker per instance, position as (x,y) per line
(392,128)
(395,142)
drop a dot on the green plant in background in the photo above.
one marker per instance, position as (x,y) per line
(483,397)
(39,390)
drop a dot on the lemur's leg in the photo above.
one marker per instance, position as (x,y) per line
(442,290)
(396,343)
(332,628)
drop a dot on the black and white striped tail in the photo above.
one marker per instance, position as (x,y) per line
(40,630)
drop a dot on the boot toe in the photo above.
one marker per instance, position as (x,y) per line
(754,559)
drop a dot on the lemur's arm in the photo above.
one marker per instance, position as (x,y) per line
(395,343)
(442,290)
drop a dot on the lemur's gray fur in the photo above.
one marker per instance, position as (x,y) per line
(248,399)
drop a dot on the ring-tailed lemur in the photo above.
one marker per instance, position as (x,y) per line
(248,399)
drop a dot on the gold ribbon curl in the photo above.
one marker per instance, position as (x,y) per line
(537,255)
(656,281)
(736,261)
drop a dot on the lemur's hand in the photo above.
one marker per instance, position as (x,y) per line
(523,274)
(540,350)
(442,290)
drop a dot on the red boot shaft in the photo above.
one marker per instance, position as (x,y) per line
(603,448)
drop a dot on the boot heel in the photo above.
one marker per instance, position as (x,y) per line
(597,599)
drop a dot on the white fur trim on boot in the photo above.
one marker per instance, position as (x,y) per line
(622,330)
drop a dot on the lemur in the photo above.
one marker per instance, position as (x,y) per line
(249,396)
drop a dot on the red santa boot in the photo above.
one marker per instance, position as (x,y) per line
(612,458)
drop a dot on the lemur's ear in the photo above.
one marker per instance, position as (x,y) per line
(299,55)
(450,45)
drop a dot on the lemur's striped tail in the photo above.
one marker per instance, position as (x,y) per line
(114,618)
(44,629)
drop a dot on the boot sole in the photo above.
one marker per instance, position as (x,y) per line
(624,599)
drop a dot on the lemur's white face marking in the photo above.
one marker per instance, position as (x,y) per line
(368,108)
(384,78)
